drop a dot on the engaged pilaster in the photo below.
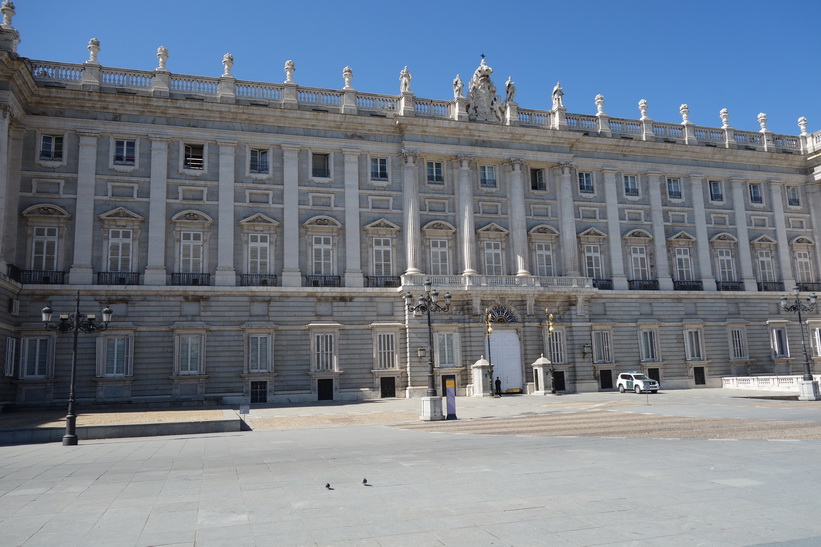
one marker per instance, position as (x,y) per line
(784,261)
(744,254)
(567,221)
(410,205)
(81,272)
(155,271)
(226,274)
(702,240)
(465,228)
(353,257)
(291,276)
(518,223)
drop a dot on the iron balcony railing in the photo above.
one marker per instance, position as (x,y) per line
(603,284)
(37,277)
(322,281)
(729,285)
(643,284)
(688,286)
(190,279)
(383,281)
(258,280)
(806,287)
(118,278)
(772,286)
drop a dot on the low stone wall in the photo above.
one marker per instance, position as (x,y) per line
(768,383)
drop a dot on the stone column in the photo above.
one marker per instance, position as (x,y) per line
(5,117)
(10,187)
(353,251)
(705,262)
(81,272)
(567,221)
(466,228)
(291,276)
(744,253)
(614,231)
(784,261)
(410,205)
(155,270)
(518,218)
(226,274)
(662,261)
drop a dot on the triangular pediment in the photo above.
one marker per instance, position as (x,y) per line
(765,240)
(593,233)
(121,214)
(681,237)
(259,218)
(383,224)
(492,228)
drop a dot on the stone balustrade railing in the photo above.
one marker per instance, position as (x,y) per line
(91,76)
(767,382)
(497,281)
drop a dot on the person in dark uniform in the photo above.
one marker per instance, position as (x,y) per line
(498,387)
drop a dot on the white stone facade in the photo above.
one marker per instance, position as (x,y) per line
(254,240)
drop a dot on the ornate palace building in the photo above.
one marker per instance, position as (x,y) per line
(255,241)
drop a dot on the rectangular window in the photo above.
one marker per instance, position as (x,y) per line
(638,261)
(779,342)
(258,161)
(716,191)
(446,349)
(382,256)
(439,257)
(648,345)
(258,254)
(766,271)
(191,250)
(119,250)
(544,259)
(631,187)
(259,353)
(493,257)
(592,262)
(323,263)
(555,346)
(51,148)
(803,267)
(738,344)
(487,176)
(601,347)
(385,351)
(44,248)
(435,173)
(755,193)
(793,196)
(674,188)
(194,157)
(11,351)
(324,356)
(693,345)
(726,267)
(189,354)
(379,169)
(684,265)
(116,356)
(815,342)
(321,165)
(586,183)
(537,181)
(34,358)
(124,152)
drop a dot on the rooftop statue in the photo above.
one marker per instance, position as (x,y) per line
(458,87)
(557,96)
(405,80)
(483,103)
(510,90)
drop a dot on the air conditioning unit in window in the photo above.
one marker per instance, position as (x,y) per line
(14,307)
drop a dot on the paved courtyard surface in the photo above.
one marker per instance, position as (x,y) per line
(695,467)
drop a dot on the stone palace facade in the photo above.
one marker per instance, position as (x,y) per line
(255,240)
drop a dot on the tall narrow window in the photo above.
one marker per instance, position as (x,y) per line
(258,253)
(638,260)
(34,357)
(716,191)
(738,344)
(321,165)
(674,188)
(385,350)
(188,357)
(555,345)
(755,193)
(544,259)
(324,356)
(493,258)
(631,187)
(435,172)
(259,353)
(537,181)
(119,250)
(379,168)
(649,347)
(323,263)
(116,356)
(194,157)
(44,248)
(793,196)
(586,183)
(258,161)
(684,266)
(51,148)
(487,176)
(382,256)
(803,267)
(780,345)
(191,252)
(766,270)
(693,343)
(601,347)
(439,257)
(124,152)
(592,262)
(726,268)
(446,349)
(11,351)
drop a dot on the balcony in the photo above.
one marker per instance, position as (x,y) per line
(258,280)
(807,287)
(322,281)
(643,284)
(688,286)
(729,285)
(603,284)
(190,279)
(37,277)
(382,281)
(773,286)
(118,278)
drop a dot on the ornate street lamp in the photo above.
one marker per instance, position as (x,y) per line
(548,326)
(488,332)
(797,306)
(74,322)
(428,303)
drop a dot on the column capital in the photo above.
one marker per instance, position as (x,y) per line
(464,160)
(565,166)
(226,147)
(516,163)
(409,155)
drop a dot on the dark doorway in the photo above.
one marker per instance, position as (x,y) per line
(387,386)
(698,375)
(606,379)
(558,380)
(259,392)
(655,374)
(445,378)
(325,389)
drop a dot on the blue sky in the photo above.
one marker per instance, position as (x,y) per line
(747,56)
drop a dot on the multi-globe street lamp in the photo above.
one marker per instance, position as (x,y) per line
(488,332)
(797,306)
(75,322)
(428,303)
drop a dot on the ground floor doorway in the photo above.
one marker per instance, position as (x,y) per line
(606,379)
(259,392)
(558,380)
(325,389)
(699,376)
(387,386)
(506,352)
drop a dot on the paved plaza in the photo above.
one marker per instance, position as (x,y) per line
(708,468)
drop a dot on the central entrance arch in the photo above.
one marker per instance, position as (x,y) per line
(507,359)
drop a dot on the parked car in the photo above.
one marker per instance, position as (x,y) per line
(636,381)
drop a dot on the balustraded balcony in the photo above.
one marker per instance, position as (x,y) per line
(729,285)
(190,279)
(603,284)
(258,280)
(382,281)
(774,286)
(322,281)
(807,287)
(643,284)
(37,277)
(688,286)
(118,278)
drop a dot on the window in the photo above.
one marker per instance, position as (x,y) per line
(726,267)
(755,193)
(119,250)
(379,169)
(124,152)
(537,181)
(51,148)
(189,354)
(446,349)
(487,176)
(194,157)
(648,345)
(116,356)
(693,345)
(586,183)
(555,347)
(803,267)
(382,260)
(638,262)
(439,257)
(34,358)
(716,191)
(191,252)
(321,165)
(601,347)
(11,350)
(793,196)
(258,254)
(385,350)
(324,357)
(738,344)
(766,271)
(592,262)
(631,187)
(544,259)
(44,248)
(684,265)
(780,346)
(493,258)
(259,353)
(674,188)
(435,173)
(323,263)
(815,342)
(258,161)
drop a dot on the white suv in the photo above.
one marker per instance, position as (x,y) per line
(636,381)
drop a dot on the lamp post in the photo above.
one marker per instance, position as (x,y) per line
(809,387)
(548,325)
(488,332)
(428,303)
(74,322)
